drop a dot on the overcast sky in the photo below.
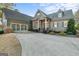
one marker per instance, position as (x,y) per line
(31,8)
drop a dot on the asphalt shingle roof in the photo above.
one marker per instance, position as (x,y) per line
(15,15)
(66,15)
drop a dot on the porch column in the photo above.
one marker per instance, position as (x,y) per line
(16,27)
(45,23)
(38,24)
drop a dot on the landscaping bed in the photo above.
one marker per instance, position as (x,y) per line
(9,45)
(63,34)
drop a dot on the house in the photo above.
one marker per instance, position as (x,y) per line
(41,21)
(14,19)
(55,22)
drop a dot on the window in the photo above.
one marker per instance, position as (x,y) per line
(14,27)
(35,24)
(55,24)
(22,27)
(38,14)
(65,23)
(18,27)
(25,27)
(60,15)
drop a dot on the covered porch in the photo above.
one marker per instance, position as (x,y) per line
(42,24)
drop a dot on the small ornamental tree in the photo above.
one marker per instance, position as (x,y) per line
(77,26)
(71,27)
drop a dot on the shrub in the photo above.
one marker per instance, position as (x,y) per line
(62,33)
(77,26)
(71,27)
(52,33)
(56,31)
(8,30)
(1,29)
(44,31)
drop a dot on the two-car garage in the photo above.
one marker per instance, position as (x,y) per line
(19,27)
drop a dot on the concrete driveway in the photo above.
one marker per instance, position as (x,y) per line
(38,44)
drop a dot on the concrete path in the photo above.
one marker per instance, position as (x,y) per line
(38,44)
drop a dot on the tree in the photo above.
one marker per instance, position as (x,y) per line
(71,27)
(77,14)
(7,5)
(77,26)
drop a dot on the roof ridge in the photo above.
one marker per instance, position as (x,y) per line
(17,12)
(58,10)
(43,12)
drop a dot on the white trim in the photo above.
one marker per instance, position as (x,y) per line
(20,27)
(55,24)
(46,24)
(65,23)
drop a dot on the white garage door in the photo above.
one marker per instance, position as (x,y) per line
(19,27)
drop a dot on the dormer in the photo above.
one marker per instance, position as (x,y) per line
(60,13)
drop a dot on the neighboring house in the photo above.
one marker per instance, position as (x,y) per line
(17,21)
(56,21)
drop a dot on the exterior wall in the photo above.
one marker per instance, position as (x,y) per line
(19,24)
(35,24)
(60,26)
(76,21)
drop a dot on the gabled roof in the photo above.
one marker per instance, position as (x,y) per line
(67,14)
(15,15)
(41,16)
